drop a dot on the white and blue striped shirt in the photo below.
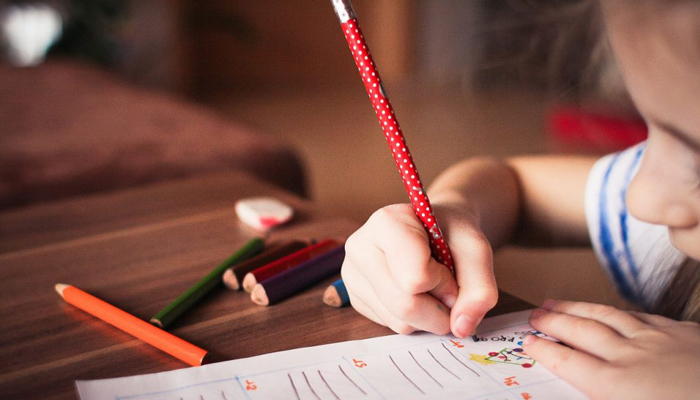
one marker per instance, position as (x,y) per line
(637,256)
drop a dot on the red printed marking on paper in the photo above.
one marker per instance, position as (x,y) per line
(510,381)
(250,385)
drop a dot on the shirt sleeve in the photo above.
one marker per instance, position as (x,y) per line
(637,256)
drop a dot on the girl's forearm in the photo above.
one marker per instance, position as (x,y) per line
(527,200)
(485,188)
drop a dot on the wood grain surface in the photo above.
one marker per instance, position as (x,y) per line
(139,249)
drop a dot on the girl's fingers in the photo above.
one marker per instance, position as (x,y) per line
(365,301)
(477,285)
(421,311)
(581,370)
(414,271)
(652,319)
(581,333)
(401,282)
(361,307)
(375,287)
(621,321)
(418,278)
(400,236)
(407,271)
(446,289)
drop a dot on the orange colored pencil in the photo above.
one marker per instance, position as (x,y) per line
(138,328)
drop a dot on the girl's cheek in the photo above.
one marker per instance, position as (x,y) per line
(687,162)
(696,161)
(693,181)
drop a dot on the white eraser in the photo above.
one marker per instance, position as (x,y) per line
(263,213)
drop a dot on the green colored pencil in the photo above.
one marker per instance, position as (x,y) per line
(196,292)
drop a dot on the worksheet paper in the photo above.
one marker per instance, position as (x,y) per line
(416,366)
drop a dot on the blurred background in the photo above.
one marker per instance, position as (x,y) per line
(98,95)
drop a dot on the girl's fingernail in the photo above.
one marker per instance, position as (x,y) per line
(529,338)
(537,312)
(549,304)
(463,326)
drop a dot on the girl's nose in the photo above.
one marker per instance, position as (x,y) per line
(661,190)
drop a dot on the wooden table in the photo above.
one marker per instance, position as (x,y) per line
(139,249)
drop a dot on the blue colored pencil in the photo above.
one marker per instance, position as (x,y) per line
(336,295)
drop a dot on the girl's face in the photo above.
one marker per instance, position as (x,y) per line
(657,45)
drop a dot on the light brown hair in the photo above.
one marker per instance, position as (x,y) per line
(681,298)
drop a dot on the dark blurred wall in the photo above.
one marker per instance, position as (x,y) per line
(240,44)
(204,46)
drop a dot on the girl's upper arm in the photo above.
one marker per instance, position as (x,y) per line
(552,192)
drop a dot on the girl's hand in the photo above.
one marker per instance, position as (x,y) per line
(616,354)
(393,280)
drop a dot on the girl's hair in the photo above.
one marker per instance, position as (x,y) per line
(558,45)
(681,298)
(550,43)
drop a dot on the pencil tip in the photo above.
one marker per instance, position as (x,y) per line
(230,280)
(249,282)
(330,297)
(60,287)
(259,296)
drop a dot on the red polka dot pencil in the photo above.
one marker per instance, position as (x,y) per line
(392,131)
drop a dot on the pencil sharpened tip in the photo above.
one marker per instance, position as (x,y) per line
(249,282)
(259,296)
(331,298)
(230,280)
(60,287)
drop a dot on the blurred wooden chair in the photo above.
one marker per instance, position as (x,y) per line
(70,129)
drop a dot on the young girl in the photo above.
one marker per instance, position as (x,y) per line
(639,208)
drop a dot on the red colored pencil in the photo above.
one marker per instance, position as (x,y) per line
(285,284)
(286,263)
(392,131)
(233,277)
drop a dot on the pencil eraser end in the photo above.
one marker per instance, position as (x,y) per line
(263,213)
(157,323)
